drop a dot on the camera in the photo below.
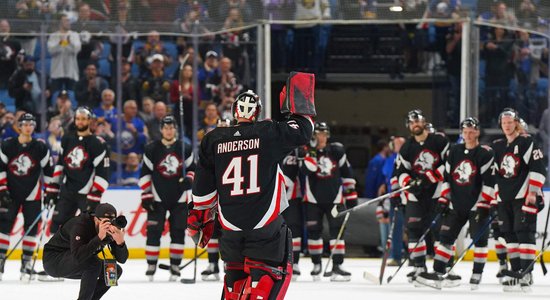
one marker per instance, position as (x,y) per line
(120,222)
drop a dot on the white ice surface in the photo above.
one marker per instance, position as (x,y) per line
(133,285)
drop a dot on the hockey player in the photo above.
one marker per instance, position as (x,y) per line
(421,157)
(329,181)
(165,189)
(466,195)
(519,179)
(84,166)
(24,161)
(239,175)
(293,214)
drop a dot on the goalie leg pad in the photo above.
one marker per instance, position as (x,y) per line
(234,281)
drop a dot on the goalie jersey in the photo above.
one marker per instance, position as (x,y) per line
(238,170)
(21,166)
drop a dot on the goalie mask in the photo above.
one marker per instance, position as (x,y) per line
(27,118)
(414,115)
(247,106)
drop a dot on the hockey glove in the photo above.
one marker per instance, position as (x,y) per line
(350,195)
(529,213)
(395,201)
(148,202)
(5,199)
(415,186)
(51,194)
(443,206)
(200,225)
(433,177)
(302,152)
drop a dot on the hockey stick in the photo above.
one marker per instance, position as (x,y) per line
(194,279)
(422,238)
(42,233)
(528,269)
(542,265)
(167,267)
(338,238)
(476,238)
(335,213)
(389,242)
(27,232)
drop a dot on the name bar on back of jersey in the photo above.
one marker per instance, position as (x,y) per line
(238,145)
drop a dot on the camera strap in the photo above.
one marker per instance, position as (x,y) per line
(109,270)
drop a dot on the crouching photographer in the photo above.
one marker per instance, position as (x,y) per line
(73,251)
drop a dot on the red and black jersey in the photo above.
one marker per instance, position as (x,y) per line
(238,168)
(328,174)
(83,164)
(519,167)
(291,172)
(469,177)
(162,171)
(415,159)
(21,167)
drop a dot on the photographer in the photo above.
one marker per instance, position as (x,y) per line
(72,251)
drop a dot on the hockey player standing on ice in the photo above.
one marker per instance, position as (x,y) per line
(166,189)
(466,195)
(329,182)
(239,175)
(293,214)
(422,157)
(82,170)
(520,177)
(23,163)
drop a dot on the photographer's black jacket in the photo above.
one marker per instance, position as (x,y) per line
(79,236)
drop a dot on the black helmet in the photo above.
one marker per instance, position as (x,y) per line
(168,120)
(470,122)
(86,111)
(414,115)
(27,118)
(508,112)
(247,105)
(322,127)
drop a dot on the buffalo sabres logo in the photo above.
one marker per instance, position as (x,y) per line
(127,139)
(464,172)
(326,167)
(509,166)
(425,161)
(76,158)
(169,166)
(21,165)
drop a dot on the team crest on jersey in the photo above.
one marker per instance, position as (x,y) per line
(464,172)
(509,166)
(21,165)
(76,158)
(425,161)
(169,166)
(325,166)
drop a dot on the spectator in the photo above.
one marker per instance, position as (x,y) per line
(146,54)
(184,89)
(89,89)
(527,13)
(103,130)
(26,9)
(164,10)
(130,84)
(146,112)
(503,15)
(91,47)
(64,46)
(153,126)
(544,133)
(186,25)
(209,122)
(527,75)
(65,7)
(133,133)
(232,41)
(11,127)
(186,6)
(24,86)
(241,5)
(225,84)
(106,110)
(374,179)
(99,10)
(208,70)
(156,84)
(454,57)
(279,10)
(5,124)
(63,110)
(225,109)
(130,173)
(9,48)
(53,136)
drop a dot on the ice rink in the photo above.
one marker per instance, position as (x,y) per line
(133,285)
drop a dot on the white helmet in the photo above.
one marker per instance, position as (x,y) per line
(247,105)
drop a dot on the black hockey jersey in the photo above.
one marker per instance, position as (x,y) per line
(291,172)
(328,174)
(469,177)
(162,169)
(519,167)
(238,168)
(415,159)
(21,166)
(83,164)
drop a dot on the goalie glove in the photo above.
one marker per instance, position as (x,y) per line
(200,225)
(148,201)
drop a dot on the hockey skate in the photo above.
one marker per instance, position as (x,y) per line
(2,264)
(316,272)
(411,276)
(510,284)
(475,280)
(339,275)
(212,273)
(451,280)
(150,273)
(500,274)
(295,272)
(174,273)
(433,280)
(27,273)
(526,282)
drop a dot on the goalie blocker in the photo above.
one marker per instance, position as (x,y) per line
(297,96)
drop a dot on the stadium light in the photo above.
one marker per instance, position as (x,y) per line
(396,8)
